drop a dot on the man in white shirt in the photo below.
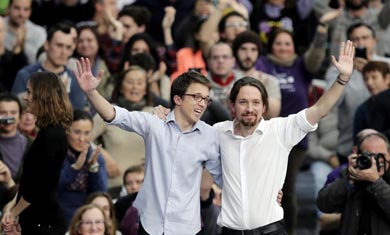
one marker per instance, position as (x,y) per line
(254,151)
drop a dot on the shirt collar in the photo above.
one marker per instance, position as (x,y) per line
(171,118)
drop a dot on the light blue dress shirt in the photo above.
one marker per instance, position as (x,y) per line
(169,200)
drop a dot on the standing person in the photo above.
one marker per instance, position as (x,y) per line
(36,203)
(255,152)
(176,151)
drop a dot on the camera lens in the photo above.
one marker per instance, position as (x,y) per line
(364,161)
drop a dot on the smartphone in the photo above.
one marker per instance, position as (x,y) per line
(361,52)
(7,120)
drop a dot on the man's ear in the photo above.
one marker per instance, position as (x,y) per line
(232,109)
(177,99)
(46,45)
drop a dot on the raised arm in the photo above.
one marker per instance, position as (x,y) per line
(88,84)
(345,67)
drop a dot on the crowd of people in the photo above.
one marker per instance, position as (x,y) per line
(146,117)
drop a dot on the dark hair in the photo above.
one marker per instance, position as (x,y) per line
(245,37)
(50,102)
(143,60)
(274,34)
(9,97)
(222,22)
(141,15)
(140,37)
(379,66)
(81,115)
(62,27)
(134,169)
(249,81)
(116,93)
(180,84)
(358,25)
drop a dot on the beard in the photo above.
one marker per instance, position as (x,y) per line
(246,64)
(250,123)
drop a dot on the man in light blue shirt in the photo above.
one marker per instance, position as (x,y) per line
(176,150)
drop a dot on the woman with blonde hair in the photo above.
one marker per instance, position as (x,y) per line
(35,206)
(89,219)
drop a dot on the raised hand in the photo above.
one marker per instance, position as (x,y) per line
(80,160)
(169,17)
(94,156)
(345,63)
(86,80)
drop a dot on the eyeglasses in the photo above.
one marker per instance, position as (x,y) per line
(89,223)
(198,98)
(242,24)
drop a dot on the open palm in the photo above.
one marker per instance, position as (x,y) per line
(345,63)
(86,80)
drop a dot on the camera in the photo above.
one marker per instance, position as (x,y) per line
(7,120)
(364,160)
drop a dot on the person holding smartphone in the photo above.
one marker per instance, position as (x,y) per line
(363,37)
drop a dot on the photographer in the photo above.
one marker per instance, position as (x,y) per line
(362,191)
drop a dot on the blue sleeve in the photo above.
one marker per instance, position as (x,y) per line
(98,181)
(20,83)
(68,175)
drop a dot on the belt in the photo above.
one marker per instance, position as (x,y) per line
(269,228)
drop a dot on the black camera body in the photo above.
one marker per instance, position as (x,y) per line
(363,161)
(7,120)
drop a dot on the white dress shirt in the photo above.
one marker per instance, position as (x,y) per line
(254,169)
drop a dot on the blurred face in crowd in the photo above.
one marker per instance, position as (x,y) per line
(362,37)
(133,181)
(130,27)
(87,45)
(79,134)
(248,107)
(27,122)
(376,82)
(103,203)
(134,85)
(59,49)
(19,12)
(233,26)
(202,8)
(221,61)
(9,109)
(247,55)
(283,46)
(140,46)
(92,222)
